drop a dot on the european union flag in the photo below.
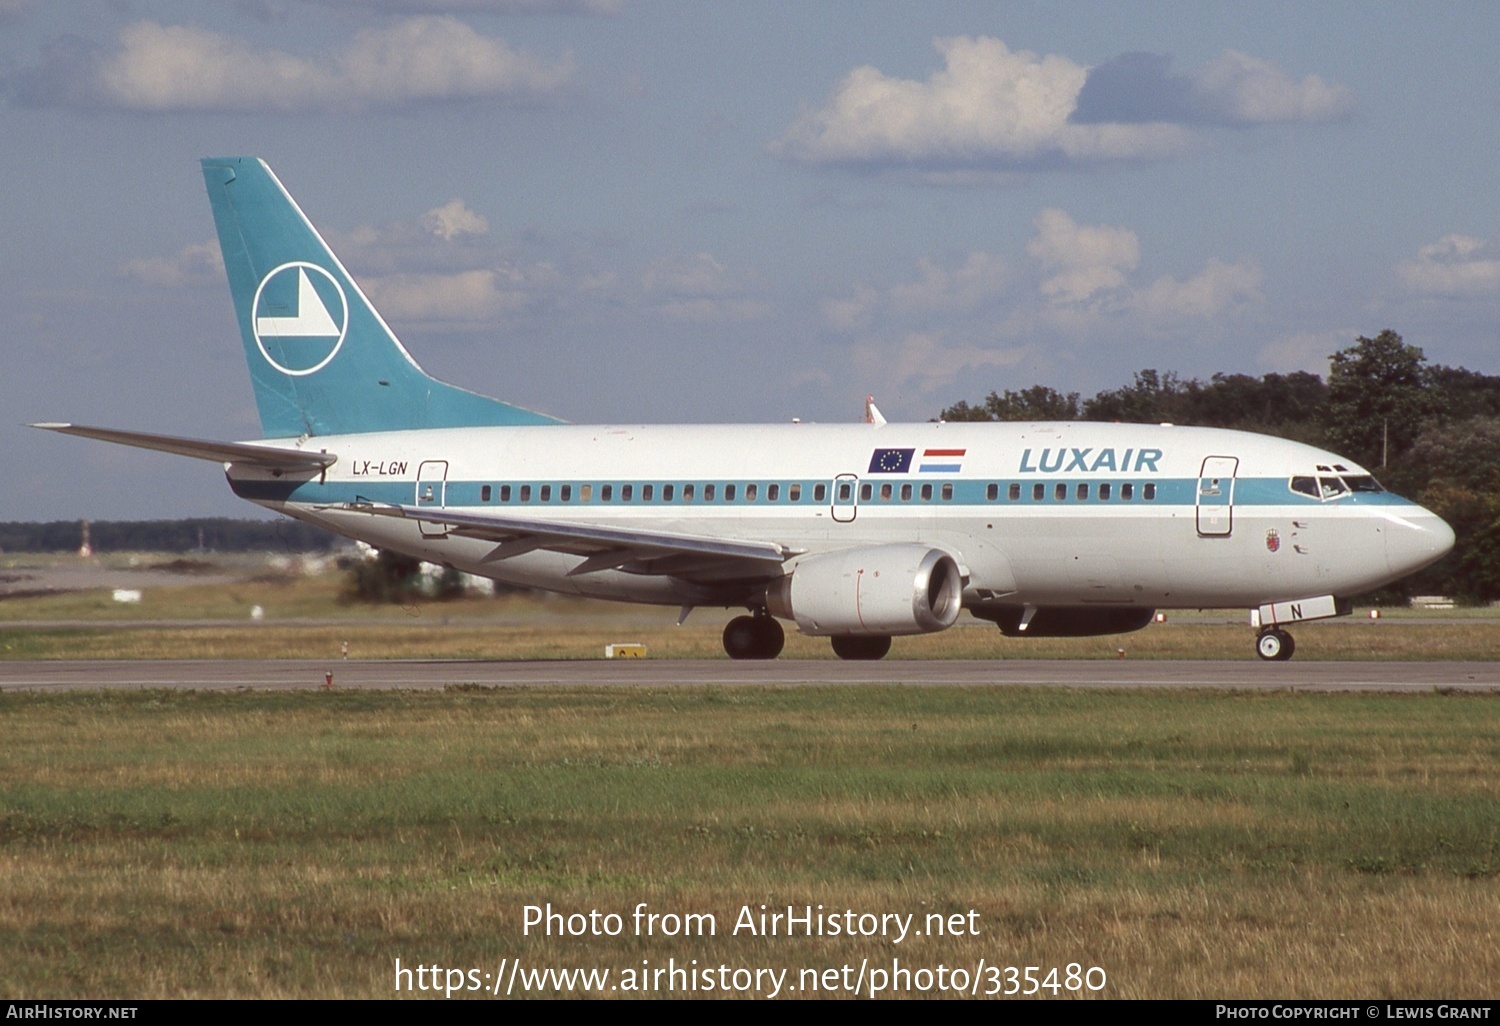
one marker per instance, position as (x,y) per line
(890,461)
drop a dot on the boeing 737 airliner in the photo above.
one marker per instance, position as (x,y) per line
(857,532)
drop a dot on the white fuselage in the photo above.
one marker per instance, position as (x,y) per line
(1046,514)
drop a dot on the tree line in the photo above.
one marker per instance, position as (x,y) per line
(213,534)
(1428,432)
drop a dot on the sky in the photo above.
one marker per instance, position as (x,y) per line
(627,211)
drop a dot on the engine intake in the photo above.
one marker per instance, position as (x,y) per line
(881,590)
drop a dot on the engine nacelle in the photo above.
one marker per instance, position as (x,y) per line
(1065,621)
(882,590)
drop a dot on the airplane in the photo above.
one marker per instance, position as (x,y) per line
(857,532)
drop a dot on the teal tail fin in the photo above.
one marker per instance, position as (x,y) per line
(322,360)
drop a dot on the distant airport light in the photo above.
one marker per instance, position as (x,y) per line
(1161,617)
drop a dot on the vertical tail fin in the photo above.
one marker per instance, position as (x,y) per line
(322,360)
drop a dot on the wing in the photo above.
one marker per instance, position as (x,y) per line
(268,456)
(604,547)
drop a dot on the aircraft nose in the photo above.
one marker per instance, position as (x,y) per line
(1417,539)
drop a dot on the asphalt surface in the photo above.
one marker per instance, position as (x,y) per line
(229,675)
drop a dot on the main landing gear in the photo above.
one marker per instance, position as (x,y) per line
(852,646)
(1275,645)
(754,637)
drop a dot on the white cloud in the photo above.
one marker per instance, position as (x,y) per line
(201,263)
(453,219)
(928,361)
(1232,90)
(701,289)
(1250,90)
(978,280)
(474,297)
(162,68)
(1085,259)
(1455,265)
(988,105)
(981,277)
(604,7)
(1218,289)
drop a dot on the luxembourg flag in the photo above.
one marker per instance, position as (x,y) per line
(941,461)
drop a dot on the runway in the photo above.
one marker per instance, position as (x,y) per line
(289,674)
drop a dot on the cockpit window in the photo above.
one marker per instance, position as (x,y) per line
(1329,484)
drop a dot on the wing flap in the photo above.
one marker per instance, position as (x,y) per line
(604,547)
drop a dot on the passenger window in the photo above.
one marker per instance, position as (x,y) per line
(820,493)
(1104,490)
(1083,491)
(565,493)
(1038,492)
(1148,491)
(526,493)
(750,492)
(1127,492)
(627,492)
(773,492)
(845,491)
(585,493)
(864,493)
(546,493)
(708,493)
(484,493)
(505,493)
(992,492)
(687,493)
(947,493)
(1060,491)
(906,493)
(1305,486)
(666,493)
(606,493)
(729,493)
(1014,493)
(886,491)
(647,491)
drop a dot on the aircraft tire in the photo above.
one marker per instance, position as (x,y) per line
(753,637)
(772,637)
(851,646)
(1275,646)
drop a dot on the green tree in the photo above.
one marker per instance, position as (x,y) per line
(1035,403)
(1376,399)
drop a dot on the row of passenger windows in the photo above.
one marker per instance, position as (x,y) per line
(650,493)
(1103,491)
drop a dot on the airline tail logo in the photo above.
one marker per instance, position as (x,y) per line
(300,316)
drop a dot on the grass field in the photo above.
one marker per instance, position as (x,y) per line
(1188,844)
(304,616)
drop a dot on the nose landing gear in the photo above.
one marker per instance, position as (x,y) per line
(1275,645)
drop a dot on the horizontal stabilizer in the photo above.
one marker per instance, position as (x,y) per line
(246,453)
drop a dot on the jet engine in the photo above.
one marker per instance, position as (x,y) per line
(883,590)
